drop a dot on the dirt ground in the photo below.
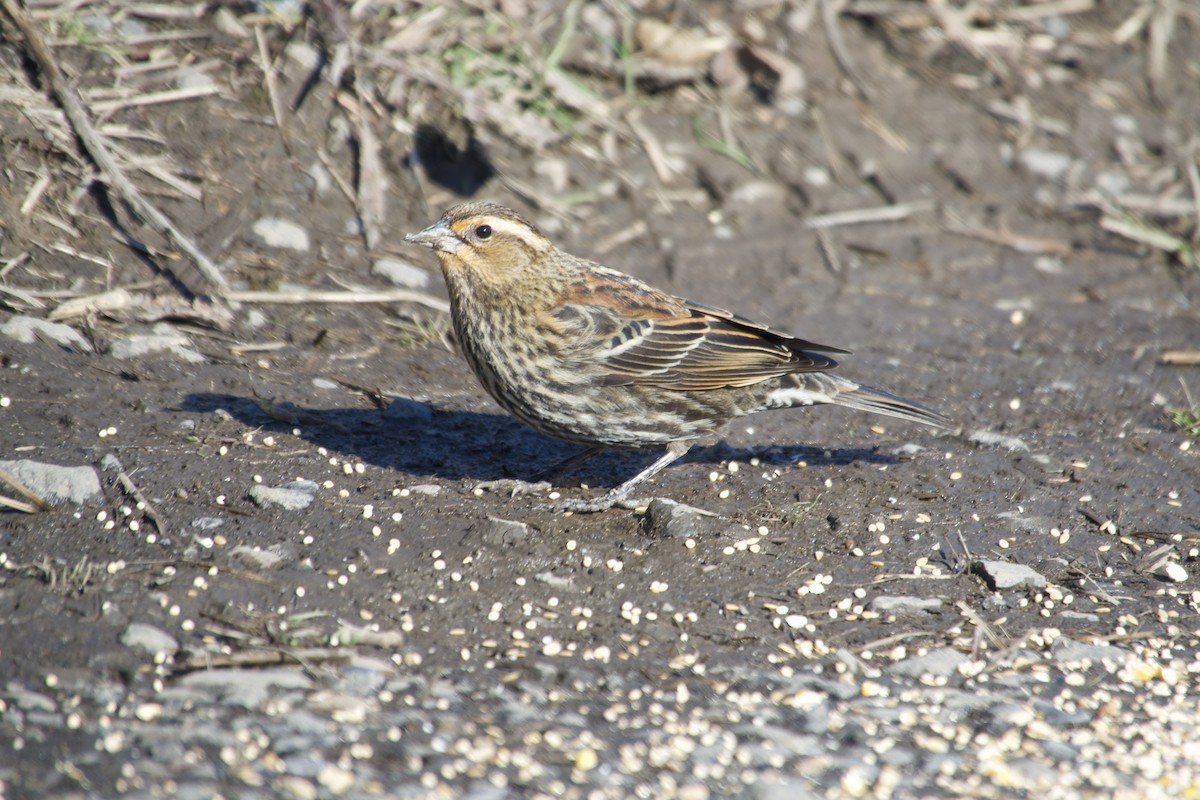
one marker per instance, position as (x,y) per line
(1022,261)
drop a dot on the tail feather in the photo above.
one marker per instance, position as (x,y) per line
(813,388)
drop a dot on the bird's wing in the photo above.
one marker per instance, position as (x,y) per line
(641,336)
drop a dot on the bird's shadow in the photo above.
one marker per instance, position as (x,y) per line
(427,442)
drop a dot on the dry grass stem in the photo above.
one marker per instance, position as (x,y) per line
(319,296)
(270,82)
(105,107)
(1180,358)
(867,216)
(37,503)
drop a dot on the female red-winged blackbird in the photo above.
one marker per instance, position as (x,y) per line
(591,355)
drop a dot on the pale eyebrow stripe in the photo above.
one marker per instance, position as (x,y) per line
(500,225)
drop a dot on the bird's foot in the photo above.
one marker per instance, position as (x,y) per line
(513,488)
(596,505)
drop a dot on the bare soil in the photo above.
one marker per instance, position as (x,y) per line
(1041,326)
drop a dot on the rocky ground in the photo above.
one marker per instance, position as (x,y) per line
(267,537)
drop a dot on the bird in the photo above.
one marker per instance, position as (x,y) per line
(594,356)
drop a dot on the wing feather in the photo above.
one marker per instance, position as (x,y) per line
(678,344)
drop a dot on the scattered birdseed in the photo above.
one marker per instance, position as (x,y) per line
(5,401)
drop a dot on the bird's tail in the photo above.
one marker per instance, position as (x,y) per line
(814,388)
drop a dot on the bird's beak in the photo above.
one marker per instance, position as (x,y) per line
(438,236)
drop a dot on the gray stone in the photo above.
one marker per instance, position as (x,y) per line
(364,676)
(668,518)
(281,233)
(53,483)
(227,23)
(291,499)
(785,740)
(941,663)
(428,489)
(195,790)
(566,584)
(141,636)
(1048,164)
(1060,751)
(31,329)
(401,273)
(1005,716)
(785,789)
(255,319)
(162,338)
(1067,650)
(408,410)
(97,23)
(1019,522)
(295,787)
(482,790)
(188,77)
(249,688)
(1001,575)
(904,604)
(757,192)
(28,700)
(208,523)
(499,532)
(1114,182)
(261,558)
(992,439)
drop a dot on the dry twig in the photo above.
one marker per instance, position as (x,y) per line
(145,505)
(112,174)
(36,503)
(860,216)
(322,296)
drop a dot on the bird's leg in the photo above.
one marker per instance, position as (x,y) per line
(619,495)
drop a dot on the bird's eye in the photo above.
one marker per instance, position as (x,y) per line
(484,232)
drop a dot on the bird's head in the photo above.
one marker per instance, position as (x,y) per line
(487,245)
